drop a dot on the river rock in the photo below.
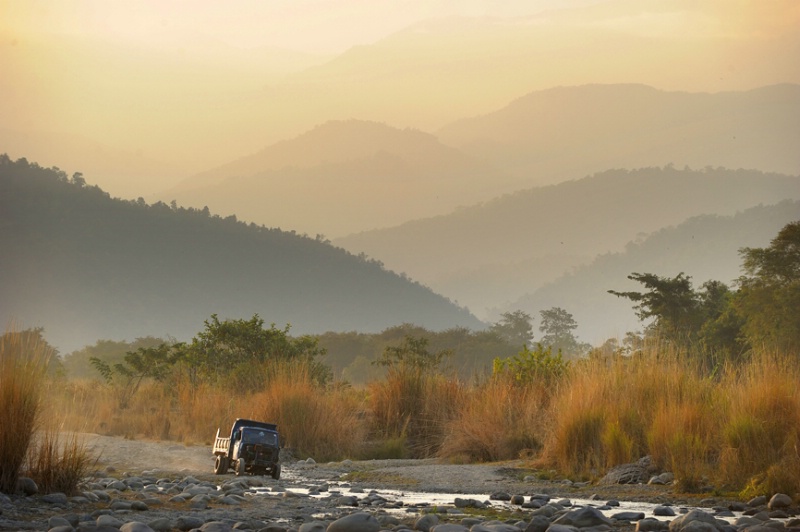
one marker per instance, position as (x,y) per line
(57,521)
(135,526)
(55,498)
(634,473)
(695,521)
(757,501)
(779,500)
(357,522)
(664,511)
(27,486)
(216,526)
(650,524)
(583,518)
(108,520)
(426,522)
(628,516)
(313,526)
(188,522)
(449,527)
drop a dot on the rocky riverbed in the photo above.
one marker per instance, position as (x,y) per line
(139,486)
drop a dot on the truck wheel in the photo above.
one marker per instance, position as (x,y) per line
(221,465)
(240,467)
(276,472)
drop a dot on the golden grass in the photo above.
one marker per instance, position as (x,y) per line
(23,364)
(497,420)
(323,423)
(736,428)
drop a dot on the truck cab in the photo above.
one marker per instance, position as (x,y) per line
(253,447)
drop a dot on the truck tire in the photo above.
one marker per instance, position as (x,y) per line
(221,465)
(240,467)
(276,472)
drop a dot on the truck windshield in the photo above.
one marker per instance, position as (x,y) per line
(259,437)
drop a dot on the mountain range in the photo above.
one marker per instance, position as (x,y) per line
(351,176)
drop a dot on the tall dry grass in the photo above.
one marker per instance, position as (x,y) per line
(23,364)
(610,411)
(324,423)
(497,420)
(414,406)
(760,436)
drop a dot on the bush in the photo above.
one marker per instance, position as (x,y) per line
(24,358)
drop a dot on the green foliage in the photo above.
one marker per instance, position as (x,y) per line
(769,293)
(239,352)
(145,363)
(413,354)
(557,326)
(78,363)
(532,366)
(515,328)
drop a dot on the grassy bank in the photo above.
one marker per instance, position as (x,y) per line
(734,427)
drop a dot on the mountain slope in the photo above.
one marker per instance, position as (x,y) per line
(512,243)
(704,247)
(86,266)
(341,177)
(551,135)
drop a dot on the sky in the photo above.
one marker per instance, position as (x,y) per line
(141,95)
(312,26)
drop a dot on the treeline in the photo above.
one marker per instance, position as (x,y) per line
(724,323)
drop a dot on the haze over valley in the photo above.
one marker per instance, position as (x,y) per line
(342,166)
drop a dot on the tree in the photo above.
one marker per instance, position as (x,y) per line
(515,327)
(241,350)
(413,354)
(154,363)
(557,326)
(670,302)
(769,293)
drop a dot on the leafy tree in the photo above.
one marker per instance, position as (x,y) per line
(528,366)
(557,326)
(769,293)
(239,352)
(78,363)
(670,302)
(145,363)
(413,354)
(515,327)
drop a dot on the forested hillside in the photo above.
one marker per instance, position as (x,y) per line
(491,253)
(704,248)
(86,266)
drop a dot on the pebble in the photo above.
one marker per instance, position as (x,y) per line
(148,503)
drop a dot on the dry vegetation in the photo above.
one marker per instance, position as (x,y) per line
(735,428)
(29,442)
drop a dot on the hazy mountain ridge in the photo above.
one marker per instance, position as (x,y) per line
(573,221)
(86,266)
(349,176)
(547,136)
(704,247)
(343,176)
(194,103)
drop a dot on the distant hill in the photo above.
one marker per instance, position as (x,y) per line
(342,177)
(704,247)
(86,266)
(490,254)
(556,134)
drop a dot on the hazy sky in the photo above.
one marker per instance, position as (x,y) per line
(317,26)
(140,94)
